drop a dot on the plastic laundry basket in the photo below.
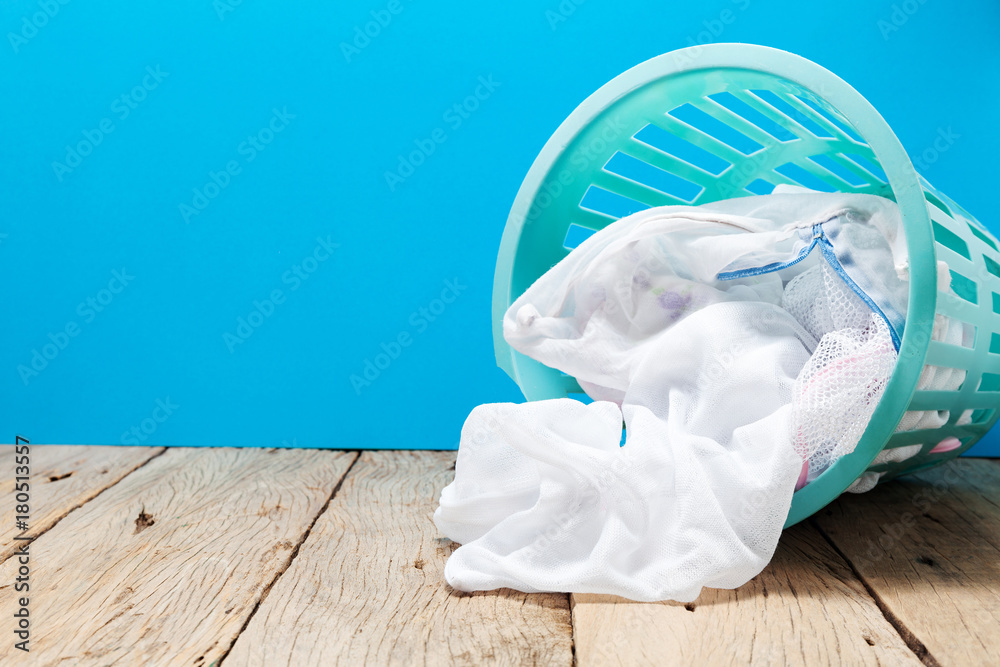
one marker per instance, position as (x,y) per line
(725,120)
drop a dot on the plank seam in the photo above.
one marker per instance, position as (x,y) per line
(571,603)
(291,558)
(911,640)
(163,450)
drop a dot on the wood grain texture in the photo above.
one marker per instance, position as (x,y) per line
(805,608)
(367,587)
(62,478)
(928,546)
(165,567)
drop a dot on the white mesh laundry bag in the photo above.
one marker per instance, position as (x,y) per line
(738,341)
(838,388)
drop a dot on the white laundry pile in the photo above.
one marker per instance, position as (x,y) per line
(745,345)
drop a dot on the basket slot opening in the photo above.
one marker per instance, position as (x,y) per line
(737,122)
(831,128)
(752,115)
(789,121)
(759,186)
(869,166)
(946,445)
(610,203)
(937,202)
(970,334)
(854,168)
(703,140)
(696,156)
(575,235)
(833,184)
(668,163)
(833,118)
(631,189)
(965,288)
(715,128)
(791,113)
(991,265)
(995,343)
(982,416)
(653,177)
(989,382)
(922,420)
(947,374)
(803,177)
(950,239)
(982,236)
(839,170)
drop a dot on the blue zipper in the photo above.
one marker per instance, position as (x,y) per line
(769,268)
(830,255)
(831,258)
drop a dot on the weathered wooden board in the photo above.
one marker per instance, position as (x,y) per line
(367,586)
(805,608)
(196,556)
(165,567)
(928,546)
(62,478)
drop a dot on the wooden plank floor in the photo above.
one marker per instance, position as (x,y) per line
(209,557)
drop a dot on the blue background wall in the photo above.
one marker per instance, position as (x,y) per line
(154,364)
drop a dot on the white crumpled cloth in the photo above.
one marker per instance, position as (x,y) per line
(713,379)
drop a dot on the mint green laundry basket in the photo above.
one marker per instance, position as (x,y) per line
(726,120)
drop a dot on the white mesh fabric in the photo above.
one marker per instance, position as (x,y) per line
(841,384)
(822,302)
(838,390)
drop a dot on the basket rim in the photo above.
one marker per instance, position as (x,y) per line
(894,161)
